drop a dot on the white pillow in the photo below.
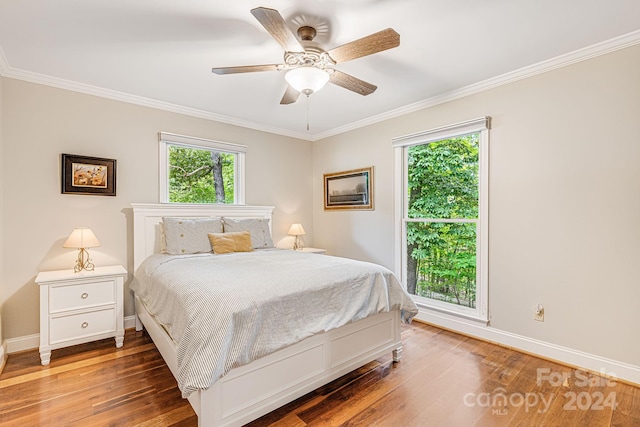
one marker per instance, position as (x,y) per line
(189,235)
(257,227)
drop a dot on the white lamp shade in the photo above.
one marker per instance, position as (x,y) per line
(81,237)
(296,230)
(307,79)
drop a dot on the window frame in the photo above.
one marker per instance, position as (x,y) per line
(400,145)
(165,140)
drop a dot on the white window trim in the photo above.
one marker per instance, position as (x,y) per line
(166,139)
(400,145)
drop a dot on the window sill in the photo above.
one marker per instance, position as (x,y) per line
(439,315)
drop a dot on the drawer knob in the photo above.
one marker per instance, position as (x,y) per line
(84,325)
(84,295)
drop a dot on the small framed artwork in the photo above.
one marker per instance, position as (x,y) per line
(88,175)
(349,190)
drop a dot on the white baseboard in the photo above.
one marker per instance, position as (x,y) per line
(3,355)
(30,342)
(590,362)
(130,322)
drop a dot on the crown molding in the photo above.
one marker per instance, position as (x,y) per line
(589,52)
(7,71)
(598,49)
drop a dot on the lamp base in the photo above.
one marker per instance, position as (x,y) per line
(83,263)
(297,244)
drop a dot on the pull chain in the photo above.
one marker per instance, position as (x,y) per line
(307,113)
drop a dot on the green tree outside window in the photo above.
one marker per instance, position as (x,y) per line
(441,242)
(200,176)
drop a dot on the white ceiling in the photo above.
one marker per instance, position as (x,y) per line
(160,52)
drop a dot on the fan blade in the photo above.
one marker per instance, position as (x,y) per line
(352,83)
(373,43)
(273,22)
(245,69)
(290,96)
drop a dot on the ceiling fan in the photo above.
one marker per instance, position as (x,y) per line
(309,67)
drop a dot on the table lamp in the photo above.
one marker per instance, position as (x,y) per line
(82,238)
(296,230)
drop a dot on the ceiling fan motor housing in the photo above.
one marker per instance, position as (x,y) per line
(307,33)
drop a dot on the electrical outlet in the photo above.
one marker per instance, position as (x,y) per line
(538,313)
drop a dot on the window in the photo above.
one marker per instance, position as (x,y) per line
(194,170)
(442,229)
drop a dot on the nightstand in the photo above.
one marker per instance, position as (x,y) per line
(313,250)
(80,307)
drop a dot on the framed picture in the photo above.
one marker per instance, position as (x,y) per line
(349,190)
(88,175)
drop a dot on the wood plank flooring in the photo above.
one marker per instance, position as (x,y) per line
(444,379)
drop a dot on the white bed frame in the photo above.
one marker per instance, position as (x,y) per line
(250,391)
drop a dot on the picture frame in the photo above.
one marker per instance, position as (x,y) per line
(352,189)
(88,175)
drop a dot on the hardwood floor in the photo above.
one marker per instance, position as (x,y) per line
(444,379)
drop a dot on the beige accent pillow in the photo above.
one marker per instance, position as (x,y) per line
(225,243)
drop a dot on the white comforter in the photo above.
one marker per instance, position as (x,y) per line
(224,311)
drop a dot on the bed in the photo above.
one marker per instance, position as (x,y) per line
(249,390)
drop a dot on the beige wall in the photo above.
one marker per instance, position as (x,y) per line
(564,201)
(40,123)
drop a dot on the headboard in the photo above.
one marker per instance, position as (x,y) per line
(147,219)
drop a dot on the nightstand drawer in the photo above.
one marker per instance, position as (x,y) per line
(71,297)
(81,325)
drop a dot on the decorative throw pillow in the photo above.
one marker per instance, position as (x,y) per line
(189,235)
(224,243)
(258,227)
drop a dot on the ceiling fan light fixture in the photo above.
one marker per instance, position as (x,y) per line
(307,79)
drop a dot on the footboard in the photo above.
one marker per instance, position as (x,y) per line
(250,391)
